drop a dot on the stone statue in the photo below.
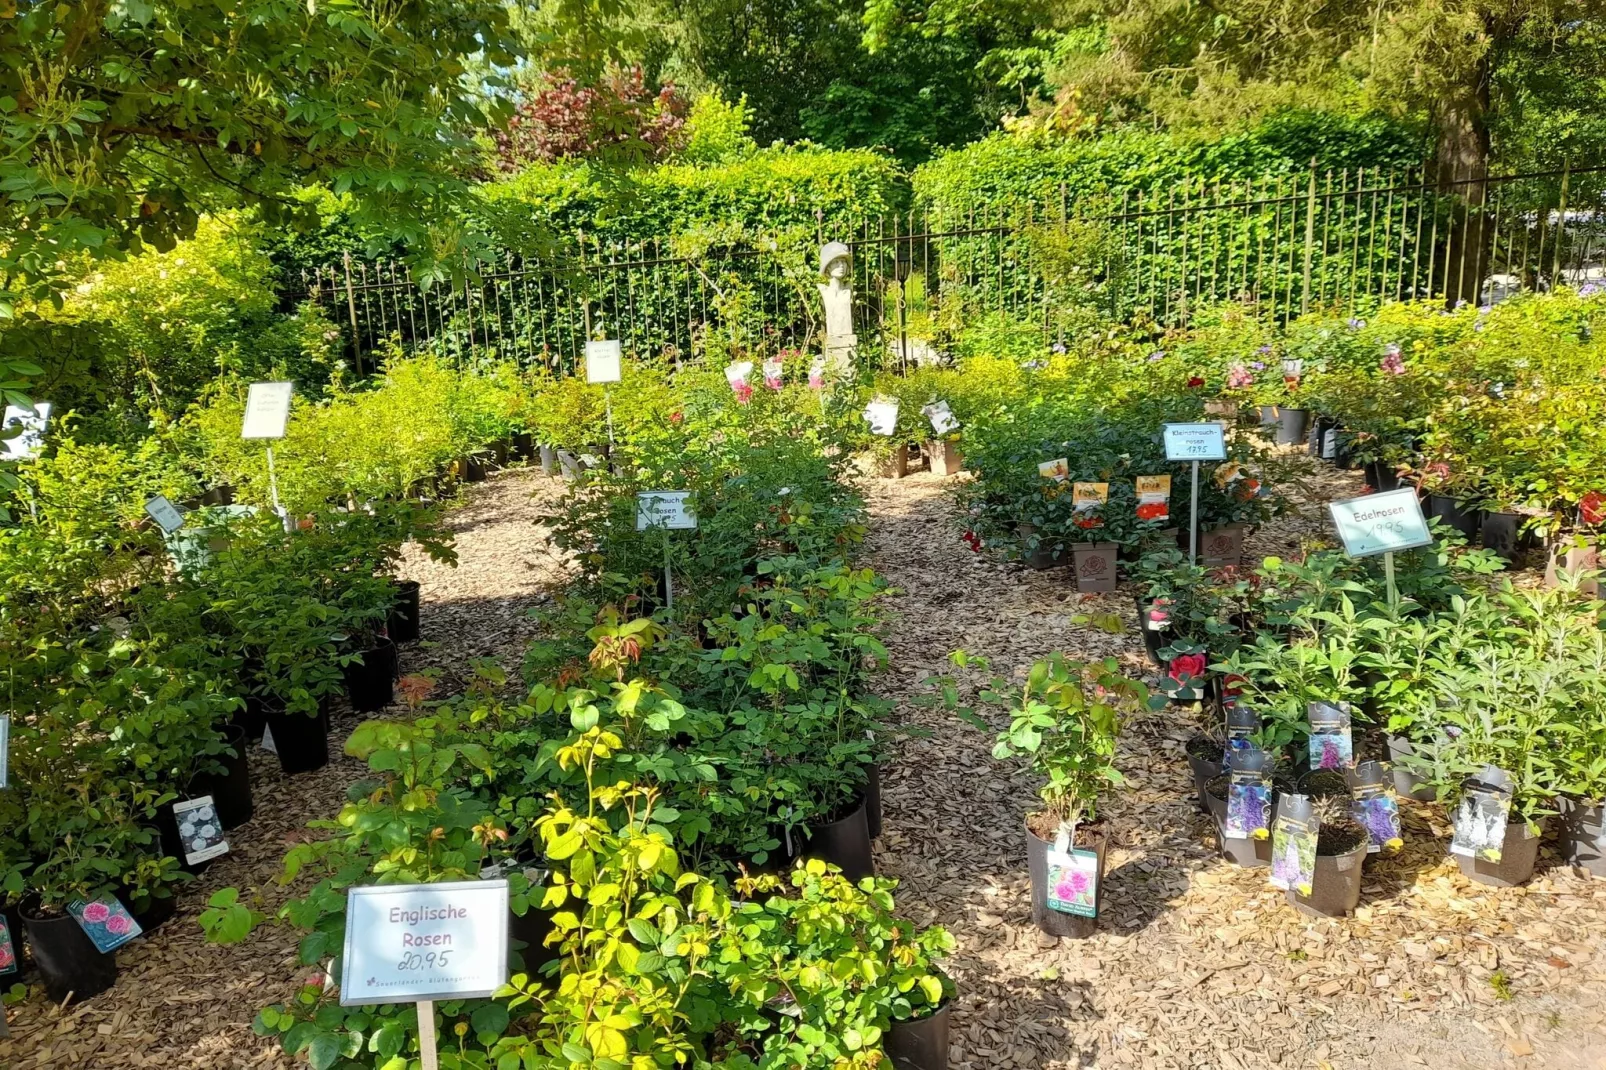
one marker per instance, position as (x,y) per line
(836,294)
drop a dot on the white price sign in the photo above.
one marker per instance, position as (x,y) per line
(602,361)
(164,513)
(941,417)
(882,416)
(411,942)
(33,421)
(1195,442)
(664,509)
(1381,523)
(267,410)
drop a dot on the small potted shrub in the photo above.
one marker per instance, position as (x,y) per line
(1064,720)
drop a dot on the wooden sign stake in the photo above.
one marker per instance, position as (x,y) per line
(426,1035)
(1193,519)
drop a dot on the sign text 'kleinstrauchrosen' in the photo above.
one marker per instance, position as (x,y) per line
(411,942)
(1195,442)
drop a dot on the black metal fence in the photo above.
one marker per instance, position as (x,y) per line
(1284,244)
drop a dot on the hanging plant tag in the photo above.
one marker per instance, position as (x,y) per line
(1482,815)
(664,509)
(882,416)
(603,360)
(1293,845)
(166,515)
(106,922)
(736,375)
(1073,882)
(1086,497)
(1058,470)
(1241,724)
(267,740)
(1248,796)
(199,829)
(1154,497)
(267,410)
(8,948)
(1375,807)
(33,419)
(1331,743)
(941,417)
(817,374)
(774,373)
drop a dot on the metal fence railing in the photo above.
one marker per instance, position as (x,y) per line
(1282,244)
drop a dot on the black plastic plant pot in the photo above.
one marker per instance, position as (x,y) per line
(471,468)
(302,742)
(402,622)
(371,681)
(67,958)
(1154,639)
(1204,761)
(219,495)
(1291,426)
(500,452)
(1318,434)
(872,800)
(230,789)
(1502,533)
(920,1043)
(251,718)
(1469,522)
(1407,785)
(1518,854)
(1335,889)
(151,911)
(844,842)
(1055,922)
(521,444)
(1239,850)
(1583,834)
(1381,476)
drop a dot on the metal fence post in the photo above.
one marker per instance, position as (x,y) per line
(1310,236)
(351,309)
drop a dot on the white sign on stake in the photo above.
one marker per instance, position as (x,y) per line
(1195,442)
(410,943)
(33,421)
(164,513)
(267,410)
(603,361)
(664,509)
(882,416)
(1381,523)
(941,417)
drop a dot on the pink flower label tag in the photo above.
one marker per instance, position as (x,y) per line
(106,922)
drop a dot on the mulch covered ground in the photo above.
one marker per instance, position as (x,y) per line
(1196,963)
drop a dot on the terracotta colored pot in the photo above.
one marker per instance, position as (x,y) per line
(1096,567)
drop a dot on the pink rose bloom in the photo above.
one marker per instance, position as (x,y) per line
(1064,890)
(1392,362)
(95,913)
(7,960)
(119,924)
(1078,884)
(744,391)
(1239,377)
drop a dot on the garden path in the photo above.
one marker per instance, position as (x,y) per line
(181,1004)
(1196,963)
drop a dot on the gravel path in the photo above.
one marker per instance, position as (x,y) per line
(181,1004)
(1197,963)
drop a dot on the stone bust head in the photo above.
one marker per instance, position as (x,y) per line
(836,260)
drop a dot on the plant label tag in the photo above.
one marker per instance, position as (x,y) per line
(1154,497)
(1330,444)
(1381,523)
(5,750)
(1086,497)
(882,416)
(32,419)
(1293,845)
(664,509)
(1195,442)
(1331,743)
(267,410)
(106,922)
(1242,723)
(1073,882)
(737,376)
(603,361)
(817,374)
(267,740)
(1248,796)
(1482,814)
(1375,807)
(941,417)
(165,513)
(411,942)
(8,948)
(199,829)
(774,373)
(1058,470)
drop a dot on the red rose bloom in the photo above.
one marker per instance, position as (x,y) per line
(1194,382)
(1153,510)
(676,417)
(1186,666)
(1592,509)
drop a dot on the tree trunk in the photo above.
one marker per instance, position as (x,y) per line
(1462,160)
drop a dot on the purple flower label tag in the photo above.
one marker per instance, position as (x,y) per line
(106,922)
